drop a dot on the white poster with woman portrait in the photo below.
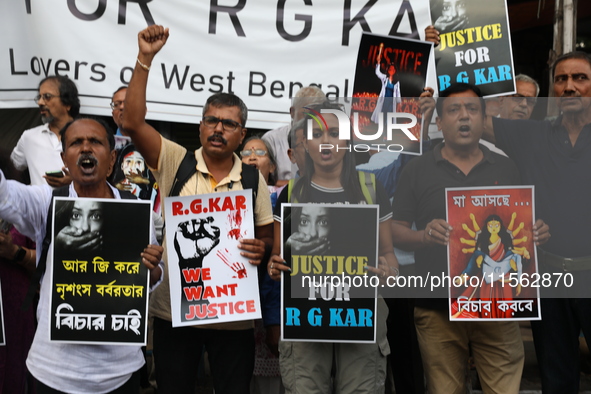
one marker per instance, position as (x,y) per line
(210,282)
(99,286)
(492,259)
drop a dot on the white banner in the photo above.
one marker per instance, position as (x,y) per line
(262,51)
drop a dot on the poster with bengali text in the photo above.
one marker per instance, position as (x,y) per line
(210,282)
(492,258)
(475,45)
(100,287)
(329,296)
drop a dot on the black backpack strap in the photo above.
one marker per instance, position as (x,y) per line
(187,168)
(250,180)
(63,191)
(125,195)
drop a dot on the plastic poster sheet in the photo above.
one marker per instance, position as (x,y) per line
(390,75)
(314,310)
(475,45)
(210,282)
(492,258)
(99,286)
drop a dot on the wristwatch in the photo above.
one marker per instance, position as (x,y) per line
(20,255)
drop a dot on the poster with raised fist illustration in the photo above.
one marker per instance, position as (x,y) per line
(210,281)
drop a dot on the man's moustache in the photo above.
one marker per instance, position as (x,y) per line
(217,137)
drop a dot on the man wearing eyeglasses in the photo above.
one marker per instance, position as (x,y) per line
(39,148)
(521,104)
(117,106)
(278,138)
(230,346)
(517,106)
(130,172)
(555,156)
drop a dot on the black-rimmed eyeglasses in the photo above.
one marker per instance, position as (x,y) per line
(227,124)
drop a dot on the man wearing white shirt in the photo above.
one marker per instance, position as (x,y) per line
(57,367)
(39,148)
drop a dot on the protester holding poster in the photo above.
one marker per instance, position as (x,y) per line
(17,263)
(420,198)
(214,168)
(555,156)
(330,177)
(266,375)
(88,152)
(131,172)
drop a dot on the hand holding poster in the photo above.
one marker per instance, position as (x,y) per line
(491,254)
(210,281)
(99,285)
(475,45)
(328,296)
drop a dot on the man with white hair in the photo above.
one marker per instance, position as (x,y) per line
(521,104)
(278,138)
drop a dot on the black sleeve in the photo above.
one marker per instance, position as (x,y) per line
(404,203)
(280,200)
(512,136)
(383,201)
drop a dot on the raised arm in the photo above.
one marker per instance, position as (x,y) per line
(144,136)
(489,132)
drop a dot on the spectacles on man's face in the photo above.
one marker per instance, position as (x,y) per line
(117,105)
(250,152)
(518,98)
(227,124)
(45,96)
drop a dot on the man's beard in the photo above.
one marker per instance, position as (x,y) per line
(47,119)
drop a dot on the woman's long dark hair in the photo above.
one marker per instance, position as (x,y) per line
(349,177)
(484,238)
